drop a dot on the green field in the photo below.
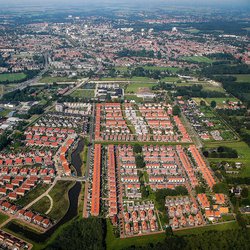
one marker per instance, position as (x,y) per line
(59,194)
(32,195)
(243,78)
(170,69)
(83,93)
(134,86)
(42,205)
(12,77)
(49,79)
(198,59)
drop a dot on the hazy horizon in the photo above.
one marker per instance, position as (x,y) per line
(193,3)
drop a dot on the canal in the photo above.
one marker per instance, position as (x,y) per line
(73,204)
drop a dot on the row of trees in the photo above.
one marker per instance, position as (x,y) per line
(81,234)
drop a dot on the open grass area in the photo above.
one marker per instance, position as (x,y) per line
(133,87)
(32,195)
(4,112)
(81,201)
(59,194)
(3,217)
(49,79)
(83,156)
(114,79)
(42,205)
(12,77)
(200,230)
(243,151)
(198,59)
(83,93)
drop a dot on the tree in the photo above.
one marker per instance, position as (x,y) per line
(202,103)
(244,192)
(137,148)
(213,104)
(176,110)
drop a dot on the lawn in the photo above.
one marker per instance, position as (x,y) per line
(84,155)
(83,93)
(60,197)
(12,77)
(42,206)
(32,195)
(198,59)
(134,86)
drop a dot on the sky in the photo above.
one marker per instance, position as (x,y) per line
(189,2)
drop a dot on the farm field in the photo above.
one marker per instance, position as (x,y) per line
(198,59)
(170,69)
(170,79)
(12,77)
(243,151)
(219,101)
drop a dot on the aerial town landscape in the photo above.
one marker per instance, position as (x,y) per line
(124,127)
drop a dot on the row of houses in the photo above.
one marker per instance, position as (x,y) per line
(18,186)
(96,182)
(25,215)
(112,184)
(202,166)
(8,241)
(140,219)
